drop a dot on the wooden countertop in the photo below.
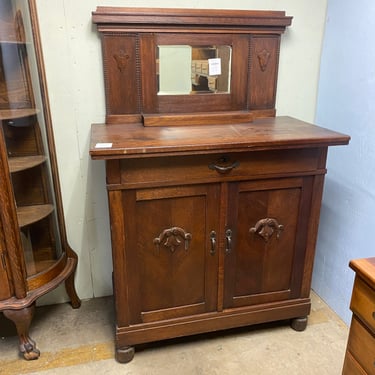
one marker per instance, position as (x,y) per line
(116,141)
(365,268)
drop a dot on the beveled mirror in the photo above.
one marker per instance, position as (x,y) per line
(184,69)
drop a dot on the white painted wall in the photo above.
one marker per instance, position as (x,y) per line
(73,63)
(346,102)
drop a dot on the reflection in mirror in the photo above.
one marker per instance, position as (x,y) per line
(184,70)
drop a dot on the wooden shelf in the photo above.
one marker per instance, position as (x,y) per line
(31,214)
(22,163)
(9,114)
(34,267)
(10,41)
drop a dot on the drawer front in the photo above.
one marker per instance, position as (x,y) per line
(361,344)
(363,303)
(219,167)
(351,366)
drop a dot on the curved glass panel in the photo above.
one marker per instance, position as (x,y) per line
(24,131)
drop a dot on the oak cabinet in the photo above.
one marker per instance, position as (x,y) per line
(265,221)
(35,255)
(210,241)
(170,250)
(213,201)
(174,238)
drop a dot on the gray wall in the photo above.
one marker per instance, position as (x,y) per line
(346,102)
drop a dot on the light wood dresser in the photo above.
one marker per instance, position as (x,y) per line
(360,352)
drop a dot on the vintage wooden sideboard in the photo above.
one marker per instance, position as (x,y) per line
(214,202)
(360,354)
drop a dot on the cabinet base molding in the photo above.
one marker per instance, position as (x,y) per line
(234,318)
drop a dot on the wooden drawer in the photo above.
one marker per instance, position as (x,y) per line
(218,167)
(351,366)
(361,344)
(363,303)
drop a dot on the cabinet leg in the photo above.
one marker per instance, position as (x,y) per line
(22,320)
(71,290)
(124,354)
(299,324)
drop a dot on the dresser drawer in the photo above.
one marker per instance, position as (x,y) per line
(363,303)
(213,167)
(361,344)
(351,366)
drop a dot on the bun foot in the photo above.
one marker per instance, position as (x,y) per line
(299,324)
(125,354)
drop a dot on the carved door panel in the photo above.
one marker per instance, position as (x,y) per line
(5,289)
(171,255)
(268,224)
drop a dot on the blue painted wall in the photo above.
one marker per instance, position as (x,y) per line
(346,103)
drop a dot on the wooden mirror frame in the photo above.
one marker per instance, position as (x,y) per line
(129,40)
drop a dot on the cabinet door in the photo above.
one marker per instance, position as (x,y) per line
(268,221)
(170,252)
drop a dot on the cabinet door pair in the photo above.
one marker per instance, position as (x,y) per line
(178,240)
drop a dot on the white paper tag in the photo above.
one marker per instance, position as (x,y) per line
(214,67)
(103,145)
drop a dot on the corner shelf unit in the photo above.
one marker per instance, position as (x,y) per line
(35,255)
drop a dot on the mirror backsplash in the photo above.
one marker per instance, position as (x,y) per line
(185,69)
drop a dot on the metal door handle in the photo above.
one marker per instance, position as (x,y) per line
(228,236)
(213,242)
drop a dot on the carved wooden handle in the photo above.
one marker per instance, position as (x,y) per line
(266,228)
(221,167)
(171,238)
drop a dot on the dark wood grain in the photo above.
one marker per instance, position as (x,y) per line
(131,36)
(213,217)
(262,134)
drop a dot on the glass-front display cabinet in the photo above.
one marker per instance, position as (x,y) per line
(35,255)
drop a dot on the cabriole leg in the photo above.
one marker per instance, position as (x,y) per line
(22,320)
(71,291)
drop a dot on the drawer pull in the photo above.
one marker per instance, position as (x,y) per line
(373,315)
(172,238)
(266,228)
(221,165)
(213,242)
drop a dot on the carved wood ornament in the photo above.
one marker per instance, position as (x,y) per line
(122,59)
(266,228)
(263,58)
(172,238)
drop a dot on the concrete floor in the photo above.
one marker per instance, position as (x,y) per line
(81,342)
